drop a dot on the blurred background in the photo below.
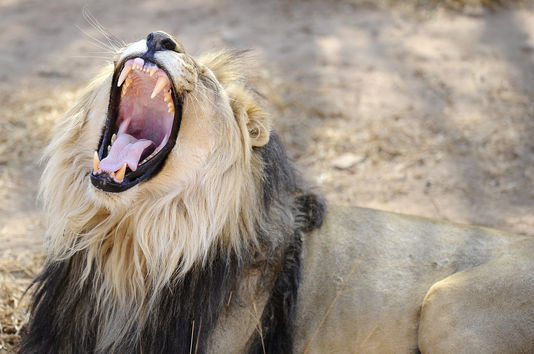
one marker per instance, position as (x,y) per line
(419,107)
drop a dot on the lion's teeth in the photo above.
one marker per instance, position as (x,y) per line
(119,176)
(113,138)
(162,82)
(124,74)
(127,84)
(171,107)
(139,63)
(167,96)
(96,162)
(153,70)
(149,157)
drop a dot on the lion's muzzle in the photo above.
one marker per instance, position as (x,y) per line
(143,121)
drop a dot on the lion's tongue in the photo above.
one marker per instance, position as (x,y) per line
(125,149)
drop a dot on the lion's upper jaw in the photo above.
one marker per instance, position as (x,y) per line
(181,67)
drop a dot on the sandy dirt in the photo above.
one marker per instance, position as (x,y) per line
(420,111)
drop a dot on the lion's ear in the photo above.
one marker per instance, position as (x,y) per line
(258,125)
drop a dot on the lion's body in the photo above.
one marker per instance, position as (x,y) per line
(442,287)
(220,246)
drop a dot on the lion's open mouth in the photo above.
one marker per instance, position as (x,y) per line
(143,120)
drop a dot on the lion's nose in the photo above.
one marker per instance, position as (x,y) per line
(160,40)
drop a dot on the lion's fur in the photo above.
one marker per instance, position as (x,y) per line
(180,221)
(402,283)
(224,249)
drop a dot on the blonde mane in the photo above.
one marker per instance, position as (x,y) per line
(140,241)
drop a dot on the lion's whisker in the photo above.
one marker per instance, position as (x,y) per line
(216,104)
(111,53)
(113,40)
(95,40)
(204,109)
(218,94)
(195,106)
(105,58)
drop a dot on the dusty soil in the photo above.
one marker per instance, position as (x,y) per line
(409,109)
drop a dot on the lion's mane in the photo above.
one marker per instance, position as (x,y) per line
(123,271)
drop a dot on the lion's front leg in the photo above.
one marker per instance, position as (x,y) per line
(487,309)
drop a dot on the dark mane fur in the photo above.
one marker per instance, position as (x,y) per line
(63,312)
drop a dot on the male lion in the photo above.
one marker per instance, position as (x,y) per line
(189,231)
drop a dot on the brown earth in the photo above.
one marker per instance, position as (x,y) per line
(410,108)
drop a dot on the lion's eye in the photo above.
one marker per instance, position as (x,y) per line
(161,41)
(168,44)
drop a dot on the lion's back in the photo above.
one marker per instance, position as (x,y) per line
(366,272)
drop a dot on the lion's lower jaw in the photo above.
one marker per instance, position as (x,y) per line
(109,201)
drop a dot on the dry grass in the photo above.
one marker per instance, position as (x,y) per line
(21,142)
(432,8)
(455,5)
(466,4)
(16,273)
(27,117)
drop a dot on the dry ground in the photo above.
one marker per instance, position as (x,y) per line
(406,108)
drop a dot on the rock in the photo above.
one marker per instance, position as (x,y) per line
(346,161)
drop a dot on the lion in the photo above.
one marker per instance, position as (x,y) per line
(178,224)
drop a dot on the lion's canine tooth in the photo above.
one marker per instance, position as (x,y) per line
(113,138)
(96,162)
(171,107)
(124,74)
(162,82)
(127,84)
(119,176)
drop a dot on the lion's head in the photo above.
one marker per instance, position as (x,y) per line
(163,181)
(154,167)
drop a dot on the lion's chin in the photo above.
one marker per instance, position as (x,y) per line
(104,200)
(142,125)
